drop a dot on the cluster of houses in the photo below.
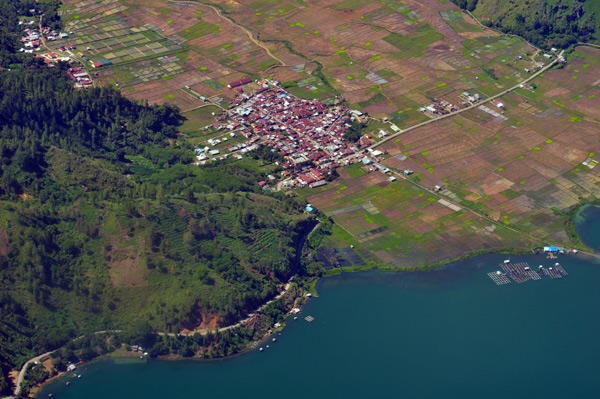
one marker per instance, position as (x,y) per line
(32,41)
(52,35)
(70,47)
(81,77)
(439,107)
(32,36)
(469,98)
(443,107)
(308,133)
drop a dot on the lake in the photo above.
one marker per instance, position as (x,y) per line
(448,333)
(587,225)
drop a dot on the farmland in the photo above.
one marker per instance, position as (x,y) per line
(389,58)
(155,51)
(506,175)
(515,165)
(385,58)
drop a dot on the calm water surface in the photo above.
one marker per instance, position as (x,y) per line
(587,225)
(450,333)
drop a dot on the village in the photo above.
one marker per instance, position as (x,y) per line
(34,39)
(307,133)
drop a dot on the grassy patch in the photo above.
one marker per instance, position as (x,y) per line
(415,43)
(355,170)
(350,4)
(200,29)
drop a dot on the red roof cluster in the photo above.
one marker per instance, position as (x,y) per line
(308,133)
(239,83)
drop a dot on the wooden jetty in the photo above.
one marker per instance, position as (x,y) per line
(499,277)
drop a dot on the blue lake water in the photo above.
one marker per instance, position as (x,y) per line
(587,226)
(449,333)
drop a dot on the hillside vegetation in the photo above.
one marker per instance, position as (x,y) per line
(104,222)
(545,23)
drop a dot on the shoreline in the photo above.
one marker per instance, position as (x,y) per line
(121,354)
(457,285)
(570,217)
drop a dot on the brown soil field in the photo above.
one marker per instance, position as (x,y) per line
(520,169)
(347,42)
(124,266)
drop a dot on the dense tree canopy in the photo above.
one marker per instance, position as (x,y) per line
(559,23)
(105,220)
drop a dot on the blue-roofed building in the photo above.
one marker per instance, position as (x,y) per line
(309,208)
(550,249)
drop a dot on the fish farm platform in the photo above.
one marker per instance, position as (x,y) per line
(522,272)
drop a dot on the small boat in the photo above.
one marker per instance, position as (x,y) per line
(274,339)
(261,349)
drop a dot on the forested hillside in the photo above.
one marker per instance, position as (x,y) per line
(545,23)
(104,222)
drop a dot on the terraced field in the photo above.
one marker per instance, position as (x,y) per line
(515,165)
(386,58)
(504,178)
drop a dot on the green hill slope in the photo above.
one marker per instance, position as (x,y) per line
(546,23)
(104,222)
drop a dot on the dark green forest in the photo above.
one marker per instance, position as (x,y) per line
(546,24)
(105,222)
